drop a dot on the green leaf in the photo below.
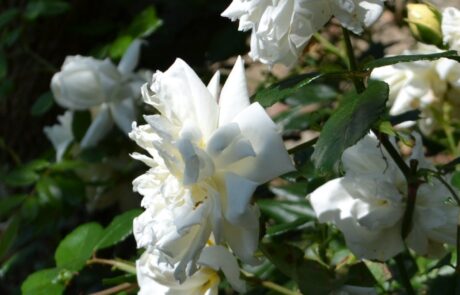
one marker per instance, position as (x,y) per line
(78,246)
(386,128)
(296,119)
(43,282)
(119,229)
(300,224)
(119,46)
(391,60)
(41,8)
(9,235)
(285,211)
(145,23)
(312,93)
(10,203)
(47,190)
(349,123)
(293,85)
(21,177)
(455,180)
(311,276)
(279,91)
(7,16)
(42,105)
(66,165)
(37,165)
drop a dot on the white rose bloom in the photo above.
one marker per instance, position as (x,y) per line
(156,276)
(61,135)
(368,204)
(85,83)
(417,85)
(282,28)
(450,26)
(208,153)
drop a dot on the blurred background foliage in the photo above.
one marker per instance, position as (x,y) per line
(41,201)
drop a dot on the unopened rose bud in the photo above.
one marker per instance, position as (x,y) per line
(425,23)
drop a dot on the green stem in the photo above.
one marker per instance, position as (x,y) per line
(268,284)
(129,268)
(404,275)
(328,46)
(449,188)
(360,87)
(278,288)
(394,154)
(410,173)
(352,63)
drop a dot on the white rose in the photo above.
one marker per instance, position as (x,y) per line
(84,82)
(156,276)
(417,85)
(98,85)
(282,28)
(355,15)
(216,150)
(368,204)
(61,135)
(450,27)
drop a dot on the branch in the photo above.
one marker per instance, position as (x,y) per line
(129,268)
(116,289)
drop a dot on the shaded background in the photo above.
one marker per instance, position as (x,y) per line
(192,30)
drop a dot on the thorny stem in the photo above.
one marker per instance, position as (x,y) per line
(352,63)
(404,275)
(410,173)
(360,87)
(412,187)
(384,140)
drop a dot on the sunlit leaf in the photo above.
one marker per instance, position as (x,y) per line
(119,229)
(350,122)
(77,247)
(391,60)
(43,282)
